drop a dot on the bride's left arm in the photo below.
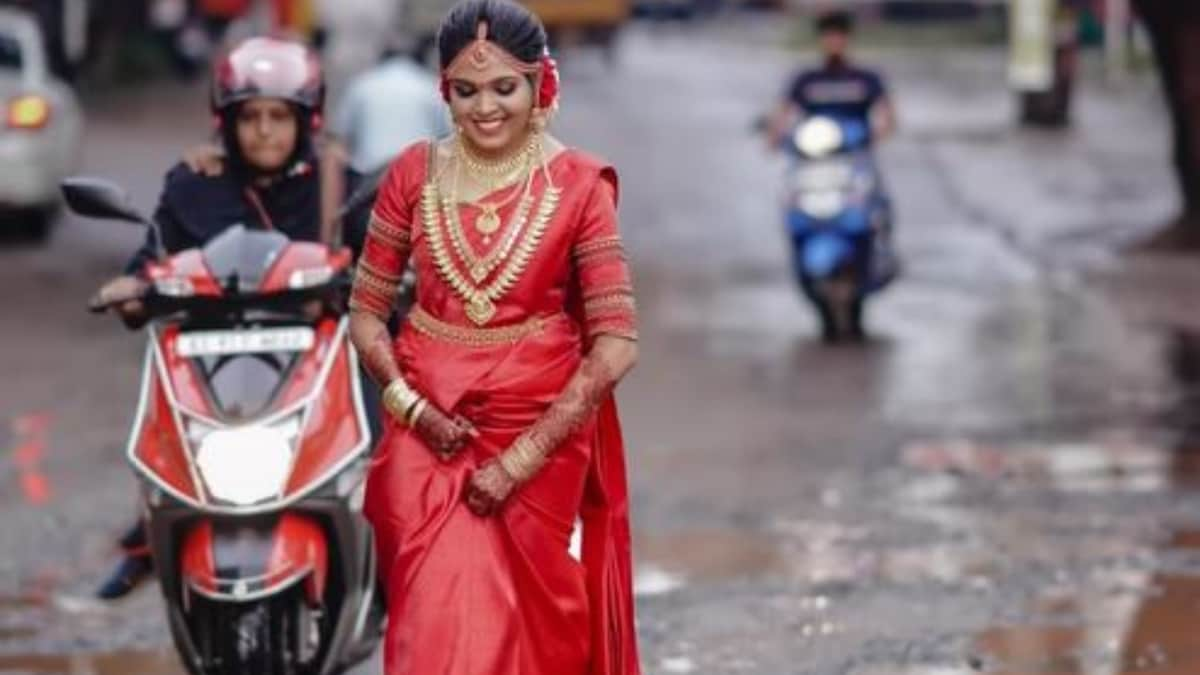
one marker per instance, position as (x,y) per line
(610,325)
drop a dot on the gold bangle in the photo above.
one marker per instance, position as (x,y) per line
(414,413)
(523,460)
(398,398)
(511,467)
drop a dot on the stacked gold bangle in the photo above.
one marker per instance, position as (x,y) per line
(404,402)
(523,460)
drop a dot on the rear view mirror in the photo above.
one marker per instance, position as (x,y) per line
(99,198)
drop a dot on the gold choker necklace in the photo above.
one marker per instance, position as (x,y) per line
(499,171)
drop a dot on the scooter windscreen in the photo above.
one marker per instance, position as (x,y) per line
(244,366)
(240,259)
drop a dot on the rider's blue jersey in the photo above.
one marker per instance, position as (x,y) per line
(842,91)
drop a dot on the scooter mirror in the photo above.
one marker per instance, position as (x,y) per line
(99,198)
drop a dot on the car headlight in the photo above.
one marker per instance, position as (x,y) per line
(246,465)
(821,204)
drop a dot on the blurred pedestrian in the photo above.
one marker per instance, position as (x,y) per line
(354,33)
(839,87)
(504,430)
(388,108)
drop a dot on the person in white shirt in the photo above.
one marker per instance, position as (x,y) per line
(387,108)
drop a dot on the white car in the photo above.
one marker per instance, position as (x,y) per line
(40,127)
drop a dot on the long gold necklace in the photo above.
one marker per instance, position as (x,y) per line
(480,268)
(512,258)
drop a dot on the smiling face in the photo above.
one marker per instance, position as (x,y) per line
(493,106)
(267,132)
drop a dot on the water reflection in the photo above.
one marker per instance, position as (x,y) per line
(1146,621)
(1118,634)
(115,663)
(985,354)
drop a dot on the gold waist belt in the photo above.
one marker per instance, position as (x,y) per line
(424,322)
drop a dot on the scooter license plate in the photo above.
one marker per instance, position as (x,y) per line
(257,341)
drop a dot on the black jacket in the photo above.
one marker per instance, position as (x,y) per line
(195,208)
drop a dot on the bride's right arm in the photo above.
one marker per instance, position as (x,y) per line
(377,276)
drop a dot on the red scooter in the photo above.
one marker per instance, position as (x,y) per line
(251,442)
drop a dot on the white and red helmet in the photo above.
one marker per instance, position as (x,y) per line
(267,67)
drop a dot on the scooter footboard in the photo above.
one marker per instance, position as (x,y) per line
(246,560)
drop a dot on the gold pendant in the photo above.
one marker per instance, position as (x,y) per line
(488,222)
(480,309)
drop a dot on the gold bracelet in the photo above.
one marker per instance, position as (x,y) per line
(523,460)
(510,466)
(398,398)
(414,413)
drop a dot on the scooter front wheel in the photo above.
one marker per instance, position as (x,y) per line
(273,636)
(839,310)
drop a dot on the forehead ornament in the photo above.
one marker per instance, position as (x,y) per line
(483,54)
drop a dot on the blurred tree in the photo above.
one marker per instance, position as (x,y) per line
(1174,27)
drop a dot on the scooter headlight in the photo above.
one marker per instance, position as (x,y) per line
(247,465)
(818,137)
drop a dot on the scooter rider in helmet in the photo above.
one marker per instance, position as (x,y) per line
(267,101)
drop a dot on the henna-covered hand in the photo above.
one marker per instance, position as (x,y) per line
(446,436)
(489,488)
(605,364)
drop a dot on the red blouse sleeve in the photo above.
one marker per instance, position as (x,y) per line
(389,239)
(601,266)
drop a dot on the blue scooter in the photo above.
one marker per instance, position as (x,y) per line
(839,220)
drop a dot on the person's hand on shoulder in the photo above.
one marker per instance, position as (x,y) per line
(206,160)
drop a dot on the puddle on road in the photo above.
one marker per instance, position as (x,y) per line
(807,552)
(1097,466)
(116,663)
(1149,627)
(713,555)
(40,614)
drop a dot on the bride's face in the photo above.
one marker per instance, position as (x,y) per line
(493,106)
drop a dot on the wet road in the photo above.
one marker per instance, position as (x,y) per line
(999,481)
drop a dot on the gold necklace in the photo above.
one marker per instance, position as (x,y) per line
(480,302)
(481,268)
(495,174)
(488,222)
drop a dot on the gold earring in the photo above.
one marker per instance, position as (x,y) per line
(537,121)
